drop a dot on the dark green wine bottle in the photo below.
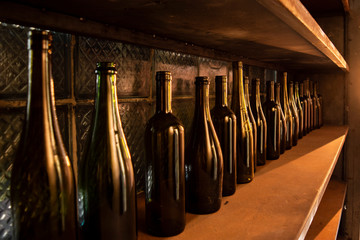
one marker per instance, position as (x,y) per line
(43,190)
(260,123)
(224,121)
(106,176)
(204,160)
(304,107)
(287,112)
(283,128)
(272,113)
(294,114)
(244,132)
(164,168)
(252,119)
(299,110)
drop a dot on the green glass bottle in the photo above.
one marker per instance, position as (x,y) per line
(106,176)
(204,160)
(287,112)
(164,168)
(43,189)
(261,125)
(224,121)
(244,135)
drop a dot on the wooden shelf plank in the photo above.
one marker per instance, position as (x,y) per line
(281,201)
(327,219)
(276,32)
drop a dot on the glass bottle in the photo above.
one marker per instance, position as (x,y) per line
(310,106)
(252,119)
(224,121)
(304,106)
(43,188)
(317,108)
(106,176)
(321,120)
(260,121)
(315,105)
(244,135)
(204,161)
(294,114)
(299,110)
(283,127)
(287,112)
(164,166)
(272,114)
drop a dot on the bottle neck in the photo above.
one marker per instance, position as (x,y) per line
(301,90)
(246,90)
(257,94)
(238,86)
(291,92)
(284,93)
(163,96)
(297,91)
(221,93)
(202,98)
(315,89)
(270,96)
(277,89)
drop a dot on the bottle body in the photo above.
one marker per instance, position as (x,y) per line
(283,127)
(164,168)
(287,112)
(299,110)
(43,190)
(260,124)
(224,121)
(106,176)
(244,135)
(204,161)
(273,118)
(294,114)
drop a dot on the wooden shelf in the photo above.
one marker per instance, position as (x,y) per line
(327,219)
(280,33)
(281,201)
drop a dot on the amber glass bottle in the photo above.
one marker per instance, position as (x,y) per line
(310,106)
(260,123)
(314,105)
(294,114)
(244,135)
(204,161)
(252,119)
(106,175)
(283,128)
(272,115)
(299,110)
(304,106)
(164,168)
(317,108)
(224,121)
(287,112)
(43,190)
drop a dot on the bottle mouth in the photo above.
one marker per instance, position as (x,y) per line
(105,66)
(202,80)
(163,76)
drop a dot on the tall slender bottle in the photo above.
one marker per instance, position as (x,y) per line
(283,127)
(106,176)
(43,190)
(287,112)
(204,161)
(321,120)
(310,106)
(272,114)
(252,119)
(315,106)
(260,123)
(224,121)
(244,135)
(165,167)
(294,113)
(304,106)
(299,110)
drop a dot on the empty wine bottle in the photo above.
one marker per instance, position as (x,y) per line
(260,121)
(310,106)
(164,168)
(43,190)
(106,177)
(294,114)
(252,119)
(321,120)
(204,161)
(304,106)
(283,128)
(287,112)
(244,134)
(299,110)
(315,106)
(273,118)
(224,121)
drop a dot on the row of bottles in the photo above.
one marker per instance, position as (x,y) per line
(224,149)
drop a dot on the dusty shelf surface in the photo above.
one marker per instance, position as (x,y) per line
(279,32)
(327,219)
(279,203)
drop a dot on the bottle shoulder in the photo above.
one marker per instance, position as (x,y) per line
(222,111)
(162,120)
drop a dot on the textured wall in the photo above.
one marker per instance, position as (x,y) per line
(74,61)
